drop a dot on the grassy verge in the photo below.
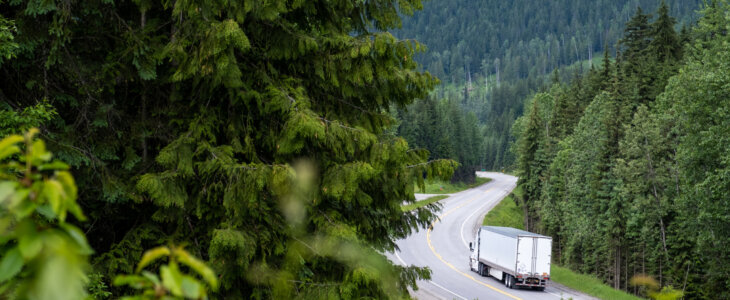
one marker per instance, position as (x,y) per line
(421,203)
(508,214)
(587,284)
(444,187)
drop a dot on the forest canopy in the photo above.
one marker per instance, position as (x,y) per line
(629,177)
(491,55)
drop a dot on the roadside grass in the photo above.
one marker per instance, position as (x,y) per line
(422,203)
(587,284)
(508,214)
(445,187)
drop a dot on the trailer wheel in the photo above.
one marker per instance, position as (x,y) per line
(510,282)
(540,288)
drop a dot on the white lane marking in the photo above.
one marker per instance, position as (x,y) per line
(431,281)
(401,260)
(445,289)
(469,217)
(556,295)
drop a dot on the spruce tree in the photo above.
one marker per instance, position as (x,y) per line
(635,41)
(254,132)
(665,43)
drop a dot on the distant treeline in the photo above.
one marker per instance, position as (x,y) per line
(492,54)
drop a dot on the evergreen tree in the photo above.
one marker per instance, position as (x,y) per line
(665,42)
(198,122)
(636,39)
(698,98)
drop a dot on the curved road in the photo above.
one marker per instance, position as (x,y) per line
(445,249)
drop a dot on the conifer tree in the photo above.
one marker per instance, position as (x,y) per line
(665,43)
(186,121)
(636,39)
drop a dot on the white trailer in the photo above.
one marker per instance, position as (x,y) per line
(516,257)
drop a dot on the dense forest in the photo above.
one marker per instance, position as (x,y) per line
(491,55)
(263,149)
(627,166)
(248,144)
(446,131)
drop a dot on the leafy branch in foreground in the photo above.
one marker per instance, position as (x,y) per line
(43,256)
(171,281)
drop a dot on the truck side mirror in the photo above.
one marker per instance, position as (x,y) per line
(470,247)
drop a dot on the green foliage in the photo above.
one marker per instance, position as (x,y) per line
(525,39)
(8,47)
(506,214)
(183,123)
(630,188)
(492,74)
(651,286)
(43,256)
(447,132)
(587,284)
(446,187)
(172,282)
(97,287)
(14,122)
(697,99)
(423,202)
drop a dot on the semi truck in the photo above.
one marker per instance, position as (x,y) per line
(516,257)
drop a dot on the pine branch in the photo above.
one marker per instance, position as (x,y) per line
(423,164)
(339,124)
(314,283)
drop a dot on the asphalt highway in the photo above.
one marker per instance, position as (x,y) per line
(445,249)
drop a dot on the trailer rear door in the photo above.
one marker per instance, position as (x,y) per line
(525,255)
(542,256)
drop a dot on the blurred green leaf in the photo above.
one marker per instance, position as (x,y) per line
(54,165)
(8,151)
(46,211)
(30,245)
(198,266)
(8,147)
(133,281)
(39,153)
(17,198)
(152,255)
(78,237)
(191,288)
(10,140)
(11,264)
(151,277)
(6,189)
(68,183)
(172,279)
(53,193)
(23,209)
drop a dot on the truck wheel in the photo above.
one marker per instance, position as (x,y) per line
(541,288)
(510,281)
